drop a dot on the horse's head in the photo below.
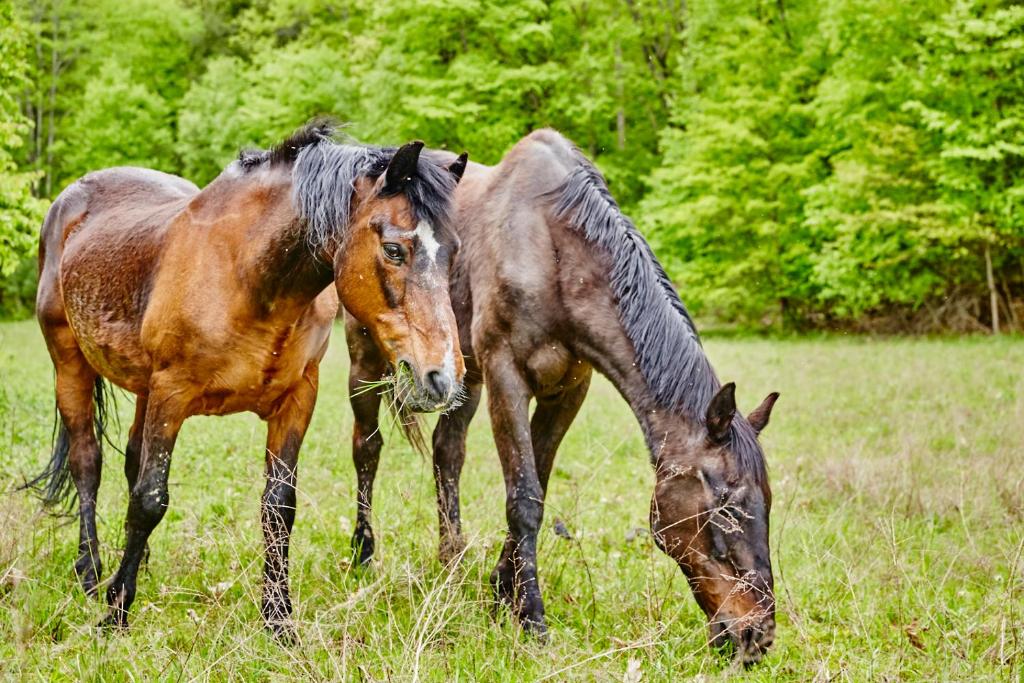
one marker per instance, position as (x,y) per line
(392,275)
(710,512)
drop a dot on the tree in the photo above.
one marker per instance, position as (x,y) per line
(20,212)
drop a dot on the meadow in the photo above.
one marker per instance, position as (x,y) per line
(897,537)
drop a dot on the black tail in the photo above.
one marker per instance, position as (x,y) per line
(54,484)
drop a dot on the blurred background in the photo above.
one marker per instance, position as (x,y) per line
(797,164)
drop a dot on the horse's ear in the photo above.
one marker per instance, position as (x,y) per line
(721,410)
(758,419)
(458,167)
(402,167)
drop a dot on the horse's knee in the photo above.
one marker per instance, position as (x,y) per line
(147,507)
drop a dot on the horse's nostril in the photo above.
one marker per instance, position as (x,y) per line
(437,384)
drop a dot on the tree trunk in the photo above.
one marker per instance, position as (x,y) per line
(54,71)
(993,295)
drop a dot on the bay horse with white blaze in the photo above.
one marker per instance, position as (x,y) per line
(552,280)
(219,301)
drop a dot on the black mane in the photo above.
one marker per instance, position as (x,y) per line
(287,151)
(324,174)
(665,339)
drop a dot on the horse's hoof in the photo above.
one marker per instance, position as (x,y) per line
(91,587)
(536,628)
(283,632)
(362,548)
(88,575)
(115,622)
(450,552)
(503,590)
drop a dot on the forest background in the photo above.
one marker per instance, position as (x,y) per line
(797,164)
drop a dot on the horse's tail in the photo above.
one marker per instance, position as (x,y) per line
(54,484)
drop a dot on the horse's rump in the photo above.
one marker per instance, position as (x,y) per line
(99,250)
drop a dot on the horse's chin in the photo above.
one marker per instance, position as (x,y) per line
(427,404)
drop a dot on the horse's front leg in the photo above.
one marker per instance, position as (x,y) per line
(449,455)
(515,576)
(285,431)
(367,367)
(165,412)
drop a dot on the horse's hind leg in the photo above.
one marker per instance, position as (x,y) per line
(166,409)
(449,455)
(133,451)
(133,454)
(551,420)
(515,576)
(75,381)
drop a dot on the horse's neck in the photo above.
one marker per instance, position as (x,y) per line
(665,428)
(610,349)
(284,271)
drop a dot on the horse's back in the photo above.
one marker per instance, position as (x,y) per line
(99,248)
(528,272)
(506,223)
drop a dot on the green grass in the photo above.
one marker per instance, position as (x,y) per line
(897,534)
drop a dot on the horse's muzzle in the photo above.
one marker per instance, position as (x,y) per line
(436,389)
(748,643)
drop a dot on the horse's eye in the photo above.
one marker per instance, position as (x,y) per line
(394,252)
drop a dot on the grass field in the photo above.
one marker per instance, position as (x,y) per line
(897,536)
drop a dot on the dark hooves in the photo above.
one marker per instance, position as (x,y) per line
(91,588)
(362,548)
(503,590)
(535,628)
(89,576)
(283,632)
(116,621)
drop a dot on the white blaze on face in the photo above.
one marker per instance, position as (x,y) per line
(429,247)
(425,232)
(449,360)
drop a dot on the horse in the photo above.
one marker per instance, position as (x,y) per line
(216,301)
(552,282)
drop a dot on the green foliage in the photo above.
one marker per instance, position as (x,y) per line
(796,163)
(834,162)
(20,212)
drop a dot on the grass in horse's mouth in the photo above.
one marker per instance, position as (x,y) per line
(380,386)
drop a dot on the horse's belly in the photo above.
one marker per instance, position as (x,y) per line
(236,389)
(260,376)
(113,350)
(106,325)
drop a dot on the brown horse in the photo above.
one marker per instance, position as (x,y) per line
(218,301)
(552,281)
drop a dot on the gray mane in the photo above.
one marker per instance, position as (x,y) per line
(324,173)
(323,182)
(665,340)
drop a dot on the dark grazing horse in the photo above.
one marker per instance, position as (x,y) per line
(552,281)
(219,301)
